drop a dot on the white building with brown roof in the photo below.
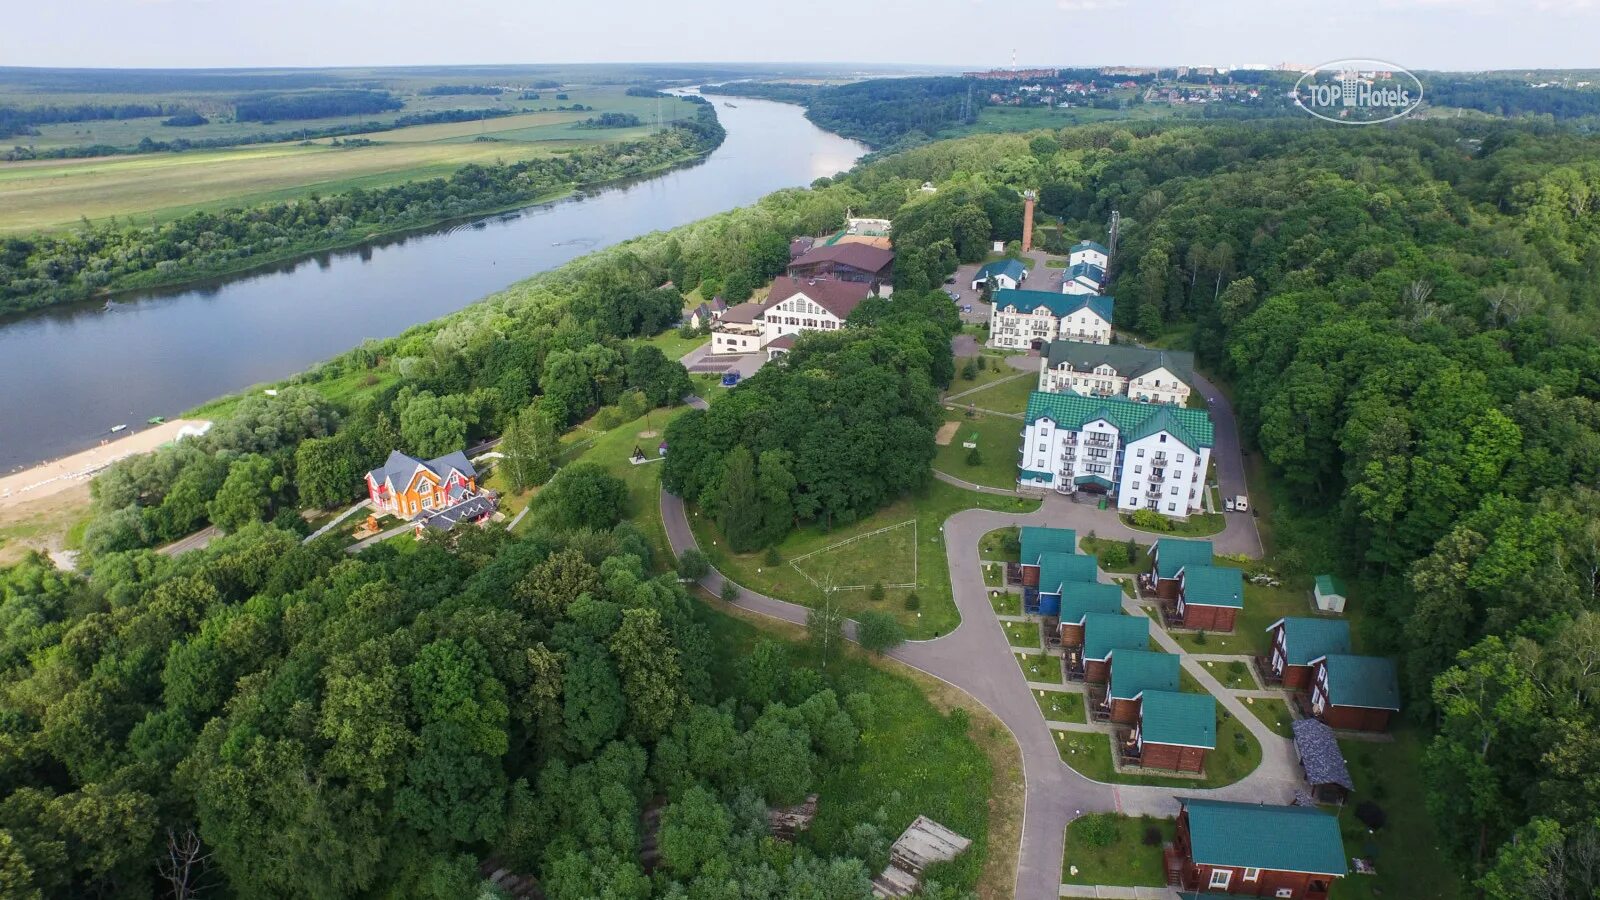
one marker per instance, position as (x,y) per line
(792,306)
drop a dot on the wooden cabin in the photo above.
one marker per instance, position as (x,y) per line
(1056,571)
(1174,731)
(1296,641)
(1355,693)
(1209,598)
(1168,558)
(1254,850)
(1036,541)
(1321,760)
(1104,633)
(1078,599)
(1132,672)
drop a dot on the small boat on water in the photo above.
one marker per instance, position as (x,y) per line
(117,428)
(109,304)
(729,105)
(155,420)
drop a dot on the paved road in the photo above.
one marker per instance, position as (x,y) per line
(197,541)
(1055,793)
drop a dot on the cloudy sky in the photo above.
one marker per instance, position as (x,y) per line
(1419,34)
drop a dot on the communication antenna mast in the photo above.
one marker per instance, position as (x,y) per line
(1116,223)
(1013,59)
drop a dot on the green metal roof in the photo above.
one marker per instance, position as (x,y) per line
(1168,717)
(1038,540)
(1104,632)
(1057,569)
(1306,639)
(1030,474)
(1173,554)
(1330,584)
(1131,418)
(1127,360)
(1213,586)
(1093,479)
(1058,304)
(1367,681)
(1009,267)
(1091,245)
(1255,836)
(1080,598)
(1133,671)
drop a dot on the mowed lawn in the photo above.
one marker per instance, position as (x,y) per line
(936,612)
(997,437)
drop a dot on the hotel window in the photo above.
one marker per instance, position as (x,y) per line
(1138,469)
(1041,448)
(1180,457)
(1221,877)
(1174,490)
(1172,507)
(1136,485)
(1141,451)
(1252,874)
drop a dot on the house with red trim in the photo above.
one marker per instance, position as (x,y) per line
(1354,693)
(1102,635)
(1172,731)
(1209,598)
(1296,641)
(1255,850)
(436,493)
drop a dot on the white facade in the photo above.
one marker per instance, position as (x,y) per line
(794,315)
(1001,280)
(749,327)
(1083,253)
(1157,471)
(1158,385)
(1012,328)
(1080,285)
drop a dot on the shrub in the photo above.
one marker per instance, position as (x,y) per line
(1152,836)
(1114,555)
(876,594)
(879,631)
(730,592)
(1151,520)
(1371,814)
(983,363)
(969,371)
(974,457)
(1200,637)
(772,557)
(1012,541)
(913,602)
(692,564)
(1099,830)
(1133,550)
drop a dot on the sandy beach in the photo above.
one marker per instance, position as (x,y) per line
(79,468)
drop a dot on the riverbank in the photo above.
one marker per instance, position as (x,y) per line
(68,472)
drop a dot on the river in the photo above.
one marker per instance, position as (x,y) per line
(71,373)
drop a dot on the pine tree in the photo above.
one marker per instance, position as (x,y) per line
(738,500)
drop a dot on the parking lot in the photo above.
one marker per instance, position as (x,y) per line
(1040,278)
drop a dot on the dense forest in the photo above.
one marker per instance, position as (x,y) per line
(1505,97)
(15,120)
(882,113)
(314,105)
(56,268)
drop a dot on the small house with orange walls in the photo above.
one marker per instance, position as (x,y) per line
(409,488)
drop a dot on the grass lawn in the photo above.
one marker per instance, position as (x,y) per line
(1262,606)
(992,545)
(930,507)
(1237,754)
(998,438)
(1197,525)
(1022,634)
(1234,674)
(47,523)
(1128,860)
(872,558)
(918,759)
(1039,667)
(1060,706)
(671,344)
(1007,604)
(1141,555)
(1005,396)
(1406,850)
(1275,713)
(995,368)
(994,574)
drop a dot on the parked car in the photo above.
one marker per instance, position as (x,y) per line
(1240,504)
(967,308)
(1227,504)
(950,280)
(954,295)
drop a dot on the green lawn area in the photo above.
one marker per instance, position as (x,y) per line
(1238,754)
(1140,562)
(995,368)
(1007,603)
(1197,525)
(998,438)
(1275,713)
(916,761)
(1005,396)
(1060,706)
(1406,850)
(1022,634)
(671,344)
(867,560)
(1040,667)
(1127,861)
(1234,674)
(930,507)
(1262,606)
(994,574)
(344,391)
(992,545)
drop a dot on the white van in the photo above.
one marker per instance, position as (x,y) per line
(1240,504)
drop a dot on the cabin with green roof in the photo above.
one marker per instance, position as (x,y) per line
(1168,558)
(1174,731)
(1104,633)
(1355,693)
(1296,642)
(1132,672)
(1036,541)
(1223,847)
(1209,598)
(1329,593)
(1078,600)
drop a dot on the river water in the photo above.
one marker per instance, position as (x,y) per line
(71,373)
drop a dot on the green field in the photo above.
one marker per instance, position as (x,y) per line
(44,194)
(997,438)
(1129,859)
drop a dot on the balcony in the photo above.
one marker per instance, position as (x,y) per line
(1099,440)
(1160,459)
(1157,476)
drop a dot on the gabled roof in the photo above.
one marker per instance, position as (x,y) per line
(1126,360)
(1075,410)
(1255,836)
(1133,671)
(399,468)
(837,297)
(1166,418)
(1105,632)
(1057,304)
(1040,539)
(1306,639)
(1213,586)
(473,507)
(1088,271)
(743,314)
(865,257)
(1173,554)
(1330,584)
(1319,754)
(1366,681)
(1080,598)
(1057,569)
(1168,717)
(1011,268)
(1099,481)
(1089,245)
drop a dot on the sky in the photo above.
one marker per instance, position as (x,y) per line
(1414,34)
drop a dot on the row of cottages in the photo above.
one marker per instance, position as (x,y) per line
(1141,455)
(1056,572)
(1037,540)
(1192,590)
(1028,320)
(1001,275)
(436,493)
(1346,691)
(1164,727)
(792,306)
(1117,370)
(1254,850)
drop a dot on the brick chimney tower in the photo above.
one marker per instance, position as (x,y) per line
(1028,198)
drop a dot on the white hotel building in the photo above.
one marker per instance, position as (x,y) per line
(1024,320)
(1139,455)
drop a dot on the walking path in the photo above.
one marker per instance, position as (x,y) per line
(334,524)
(984,387)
